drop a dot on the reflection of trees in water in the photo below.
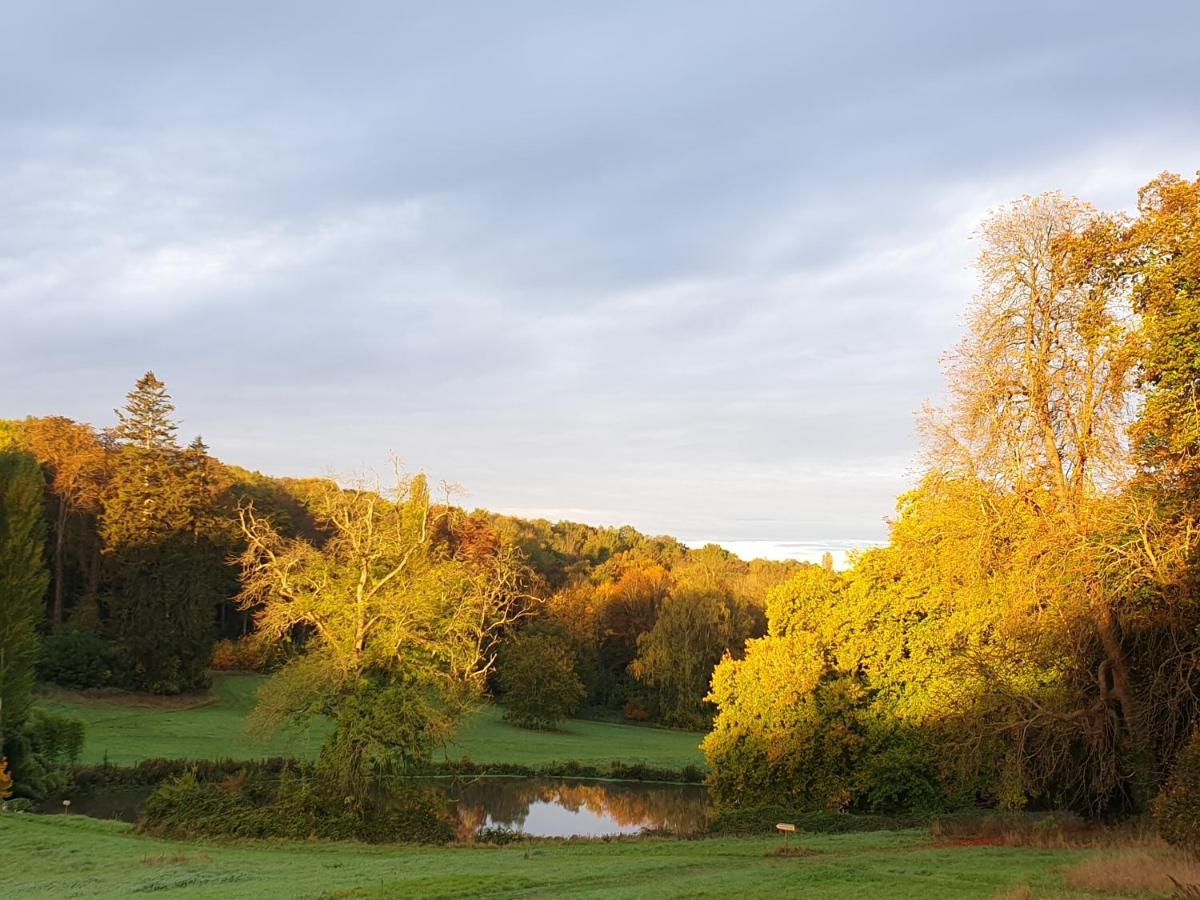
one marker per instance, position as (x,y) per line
(679,808)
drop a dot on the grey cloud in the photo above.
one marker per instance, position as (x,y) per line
(686,265)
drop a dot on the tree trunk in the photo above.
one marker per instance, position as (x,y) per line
(1117,668)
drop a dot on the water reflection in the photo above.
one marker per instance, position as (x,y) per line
(539,807)
(543,807)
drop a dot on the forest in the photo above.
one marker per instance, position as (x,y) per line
(1028,639)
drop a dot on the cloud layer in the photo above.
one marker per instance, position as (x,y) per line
(688,266)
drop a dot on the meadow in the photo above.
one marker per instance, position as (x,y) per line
(126,728)
(98,859)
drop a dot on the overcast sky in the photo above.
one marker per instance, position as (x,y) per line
(688,266)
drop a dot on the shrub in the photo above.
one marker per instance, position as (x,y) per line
(78,658)
(900,775)
(157,770)
(56,740)
(295,805)
(246,655)
(538,678)
(40,752)
(1177,808)
(6,782)
(635,711)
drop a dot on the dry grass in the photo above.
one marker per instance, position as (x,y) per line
(1142,870)
(175,859)
(1045,831)
(789,852)
(115,697)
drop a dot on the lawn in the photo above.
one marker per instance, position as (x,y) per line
(72,856)
(128,729)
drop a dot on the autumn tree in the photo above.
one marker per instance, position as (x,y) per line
(1160,257)
(1039,384)
(75,460)
(400,629)
(626,608)
(1153,532)
(1032,614)
(1040,391)
(6,782)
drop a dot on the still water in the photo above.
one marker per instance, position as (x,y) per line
(538,807)
(554,807)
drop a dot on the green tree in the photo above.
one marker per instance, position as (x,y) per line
(166,567)
(538,679)
(23,583)
(694,629)
(400,607)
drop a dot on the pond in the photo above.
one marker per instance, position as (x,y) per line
(538,807)
(565,807)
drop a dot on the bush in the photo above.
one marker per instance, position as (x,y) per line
(40,752)
(635,711)
(56,740)
(539,681)
(77,658)
(246,655)
(157,770)
(294,805)
(1177,808)
(900,776)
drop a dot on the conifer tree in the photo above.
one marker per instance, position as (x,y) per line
(167,575)
(23,582)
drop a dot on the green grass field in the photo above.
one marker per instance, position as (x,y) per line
(71,856)
(126,730)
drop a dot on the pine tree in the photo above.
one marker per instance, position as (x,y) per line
(23,582)
(166,572)
(146,421)
(146,497)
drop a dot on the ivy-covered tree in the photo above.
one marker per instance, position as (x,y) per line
(401,605)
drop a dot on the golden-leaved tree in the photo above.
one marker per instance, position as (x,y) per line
(400,607)
(1033,611)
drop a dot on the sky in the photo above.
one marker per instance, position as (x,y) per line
(688,266)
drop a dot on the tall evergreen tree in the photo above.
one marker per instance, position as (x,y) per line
(23,582)
(166,573)
(146,421)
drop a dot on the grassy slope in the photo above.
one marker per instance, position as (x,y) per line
(217,730)
(102,859)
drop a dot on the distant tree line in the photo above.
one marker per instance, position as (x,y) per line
(132,560)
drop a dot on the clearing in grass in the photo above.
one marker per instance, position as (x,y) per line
(125,729)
